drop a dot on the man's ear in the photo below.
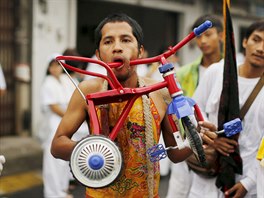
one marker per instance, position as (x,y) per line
(97,54)
(141,51)
(244,43)
(221,37)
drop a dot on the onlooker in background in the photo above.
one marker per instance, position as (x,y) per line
(207,95)
(189,76)
(210,43)
(83,131)
(257,172)
(2,82)
(55,95)
(2,161)
(78,77)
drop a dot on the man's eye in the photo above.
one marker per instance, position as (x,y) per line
(107,42)
(256,39)
(125,40)
(207,34)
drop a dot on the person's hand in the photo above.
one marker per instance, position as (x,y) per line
(2,161)
(207,132)
(224,145)
(238,190)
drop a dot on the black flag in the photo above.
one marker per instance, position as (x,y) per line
(229,104)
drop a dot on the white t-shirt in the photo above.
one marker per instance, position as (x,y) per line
(207,96)
(202,70)
(53,91)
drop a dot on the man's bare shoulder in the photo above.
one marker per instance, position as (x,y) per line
(91,85)
(161,94)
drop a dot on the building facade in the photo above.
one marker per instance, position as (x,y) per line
(38,28)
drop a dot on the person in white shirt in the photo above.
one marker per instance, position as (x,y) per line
(207,96)
(2,82)
(257,172)
(56,91)
(2,161)
(189,76)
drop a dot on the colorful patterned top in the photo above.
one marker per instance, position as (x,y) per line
(131,139)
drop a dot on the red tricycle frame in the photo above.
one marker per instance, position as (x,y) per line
(119,93)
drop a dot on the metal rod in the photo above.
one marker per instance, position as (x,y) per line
(74,83)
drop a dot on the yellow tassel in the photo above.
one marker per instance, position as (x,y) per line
(260,154)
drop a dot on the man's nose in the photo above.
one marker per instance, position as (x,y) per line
(117,47)
(203,39)
(260,47)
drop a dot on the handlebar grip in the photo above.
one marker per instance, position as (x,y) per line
(201,28)
(233,127)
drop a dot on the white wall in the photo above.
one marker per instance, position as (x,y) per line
(56,30)
(53,32)
(188,14)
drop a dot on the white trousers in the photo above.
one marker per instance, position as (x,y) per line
(180,181)
(55,176)
(203,187)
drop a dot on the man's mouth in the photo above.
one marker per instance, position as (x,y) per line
(258,56)
(120,61)
(204,48)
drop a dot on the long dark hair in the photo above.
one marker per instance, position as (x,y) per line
(258,25)
(119,17)
(50,63)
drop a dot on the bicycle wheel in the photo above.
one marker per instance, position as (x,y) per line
(195,140)
(96,161)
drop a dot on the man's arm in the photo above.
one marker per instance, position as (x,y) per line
(62,145)
(175,155)
(207,133)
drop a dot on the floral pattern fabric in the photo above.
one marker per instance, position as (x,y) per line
(131,139)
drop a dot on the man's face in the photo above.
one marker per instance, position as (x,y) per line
(118,44)
(209,41)
(254,48)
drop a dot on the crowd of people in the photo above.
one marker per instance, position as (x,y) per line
(119,38)
(56,91)
(207,95)
(2,92)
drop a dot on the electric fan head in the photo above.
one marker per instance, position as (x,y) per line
(96,161)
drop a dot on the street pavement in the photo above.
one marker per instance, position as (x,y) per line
(78,192)
(22,175)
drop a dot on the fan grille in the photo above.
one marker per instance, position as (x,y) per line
(106,150)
